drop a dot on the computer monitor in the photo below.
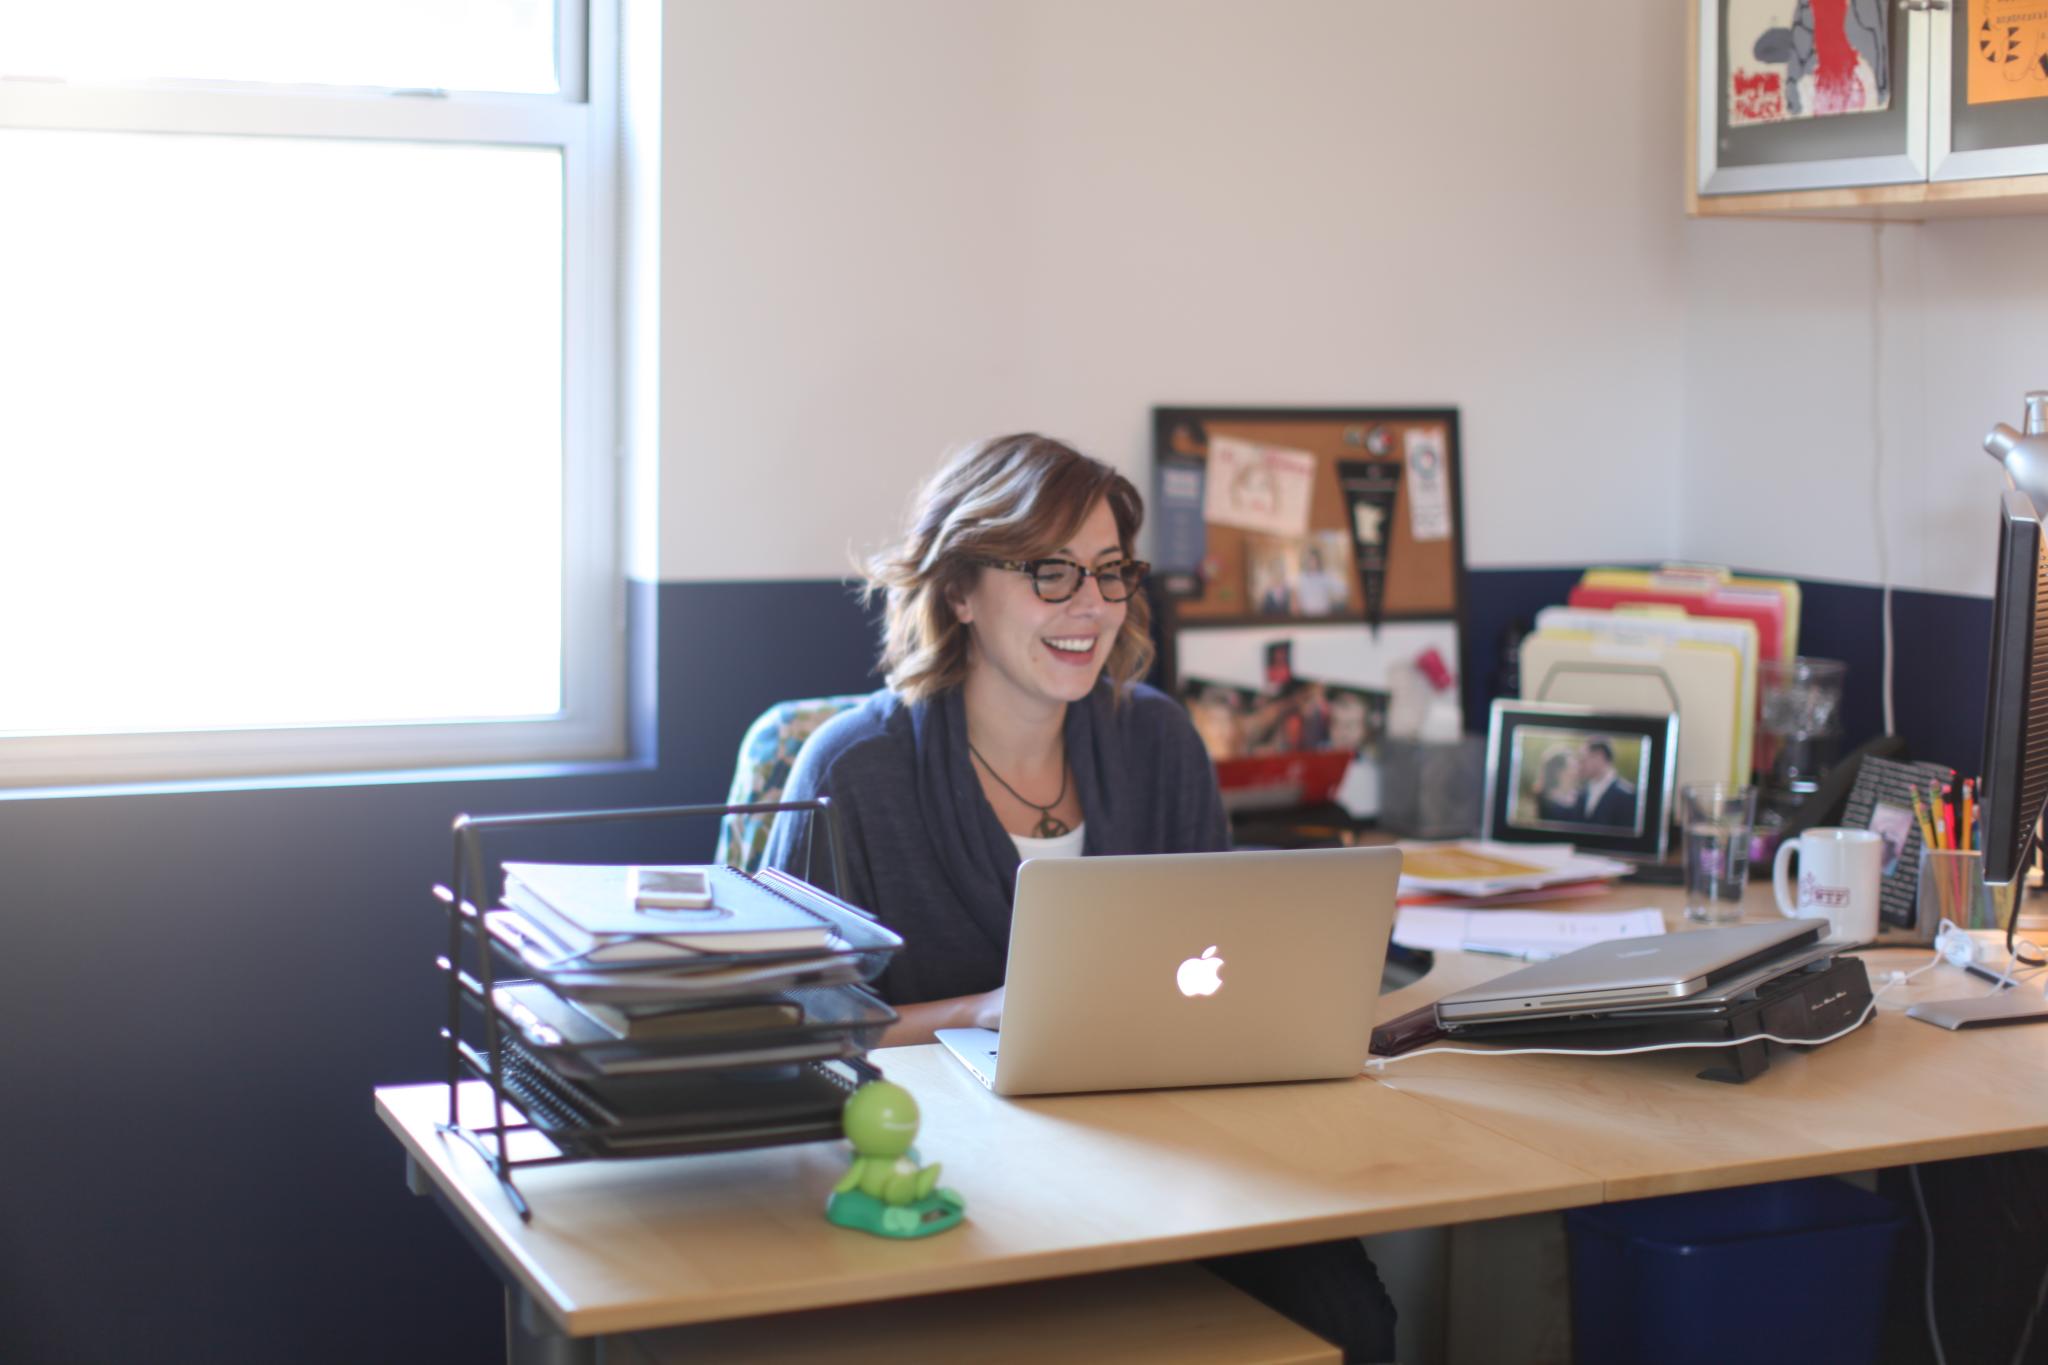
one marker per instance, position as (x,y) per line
(2015,770)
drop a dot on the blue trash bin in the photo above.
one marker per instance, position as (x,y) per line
(1792,1272)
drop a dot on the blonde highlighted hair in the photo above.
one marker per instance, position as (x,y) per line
(1012,497)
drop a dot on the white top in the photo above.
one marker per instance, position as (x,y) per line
(1067,845)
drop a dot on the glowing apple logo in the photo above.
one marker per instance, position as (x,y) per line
(1200,975)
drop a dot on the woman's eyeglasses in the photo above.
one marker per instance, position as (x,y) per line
(1055,580)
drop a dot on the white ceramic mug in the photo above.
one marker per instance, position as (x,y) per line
(1840,874)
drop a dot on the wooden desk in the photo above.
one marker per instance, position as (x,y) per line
(1081,1184)
(1893,1092)
(1060,1186)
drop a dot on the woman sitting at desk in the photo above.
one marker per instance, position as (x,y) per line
(1014,727)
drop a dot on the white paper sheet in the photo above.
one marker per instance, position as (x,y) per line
(1429,498)
(1557,864)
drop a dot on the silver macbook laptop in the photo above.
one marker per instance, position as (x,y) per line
(1630,972)
(1188,969)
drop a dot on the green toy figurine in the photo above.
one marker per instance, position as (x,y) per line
(885,1191)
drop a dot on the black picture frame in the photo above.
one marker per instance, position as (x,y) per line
(1542,765)
(1881,799)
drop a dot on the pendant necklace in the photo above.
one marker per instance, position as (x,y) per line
(1049,826)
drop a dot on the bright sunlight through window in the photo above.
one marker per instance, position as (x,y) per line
(303,465)
(504,45)
(264,504)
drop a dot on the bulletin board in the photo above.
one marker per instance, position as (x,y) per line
(1265,516)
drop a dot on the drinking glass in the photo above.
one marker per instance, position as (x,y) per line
(1719,818)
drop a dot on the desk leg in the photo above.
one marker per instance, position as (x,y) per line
(531,1337)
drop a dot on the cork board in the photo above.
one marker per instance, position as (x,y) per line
(1254,525)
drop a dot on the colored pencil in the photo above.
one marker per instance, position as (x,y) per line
(1948,818)
(1969,814)
(1927,839)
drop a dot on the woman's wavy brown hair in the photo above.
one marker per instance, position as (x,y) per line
(1012,497)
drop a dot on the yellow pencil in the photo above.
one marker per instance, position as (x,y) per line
(1969,813)
(1927,838)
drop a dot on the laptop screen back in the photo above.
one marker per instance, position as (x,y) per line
(1194,969)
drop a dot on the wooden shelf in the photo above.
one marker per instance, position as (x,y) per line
(2008,197)
(1920,201)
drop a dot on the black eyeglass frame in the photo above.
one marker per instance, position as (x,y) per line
(1116,571)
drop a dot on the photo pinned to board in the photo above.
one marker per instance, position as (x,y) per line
(1307,576)
(1241,722)
(1261,488)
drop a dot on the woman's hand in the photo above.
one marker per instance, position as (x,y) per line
(917,1023)
(988,1009)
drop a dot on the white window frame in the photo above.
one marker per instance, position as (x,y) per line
(583,122)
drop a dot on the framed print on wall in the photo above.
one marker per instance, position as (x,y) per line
(1781,107)
(1573,774)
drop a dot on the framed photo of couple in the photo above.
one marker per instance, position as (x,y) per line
(1598,779)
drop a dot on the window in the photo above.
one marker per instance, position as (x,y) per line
(306,388)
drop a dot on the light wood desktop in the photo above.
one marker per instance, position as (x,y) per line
(1084,1184)
(1057,1186)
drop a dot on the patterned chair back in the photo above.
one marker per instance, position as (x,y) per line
(767,752)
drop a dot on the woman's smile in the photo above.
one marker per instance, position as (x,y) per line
(1078,650)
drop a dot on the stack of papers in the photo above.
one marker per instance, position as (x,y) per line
(577,929)
(1477,870)
(1634,659)
(1530,934)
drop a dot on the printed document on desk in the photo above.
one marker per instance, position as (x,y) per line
(1533,934)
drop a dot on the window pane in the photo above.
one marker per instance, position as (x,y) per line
(503,45)
(281,441)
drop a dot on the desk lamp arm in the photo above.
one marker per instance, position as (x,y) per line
(2025,457)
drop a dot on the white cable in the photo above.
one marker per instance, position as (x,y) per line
(1901,978)
(1890,726)
(2027,1333)
(1927,1235)
(1884,566)
(1377,1062)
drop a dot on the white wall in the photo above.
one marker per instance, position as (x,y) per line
(893,226)
(1842,376)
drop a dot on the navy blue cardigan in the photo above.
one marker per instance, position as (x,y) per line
(924,851)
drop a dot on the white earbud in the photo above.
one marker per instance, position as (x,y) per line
(1955,944)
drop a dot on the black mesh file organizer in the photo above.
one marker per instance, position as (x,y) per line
(557,1064)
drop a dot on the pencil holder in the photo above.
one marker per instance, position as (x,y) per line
(1952,888)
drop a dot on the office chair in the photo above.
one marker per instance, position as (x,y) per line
(767,752)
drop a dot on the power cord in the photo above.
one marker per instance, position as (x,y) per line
(1877,473)
(1927,1237)
(2019,1355)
